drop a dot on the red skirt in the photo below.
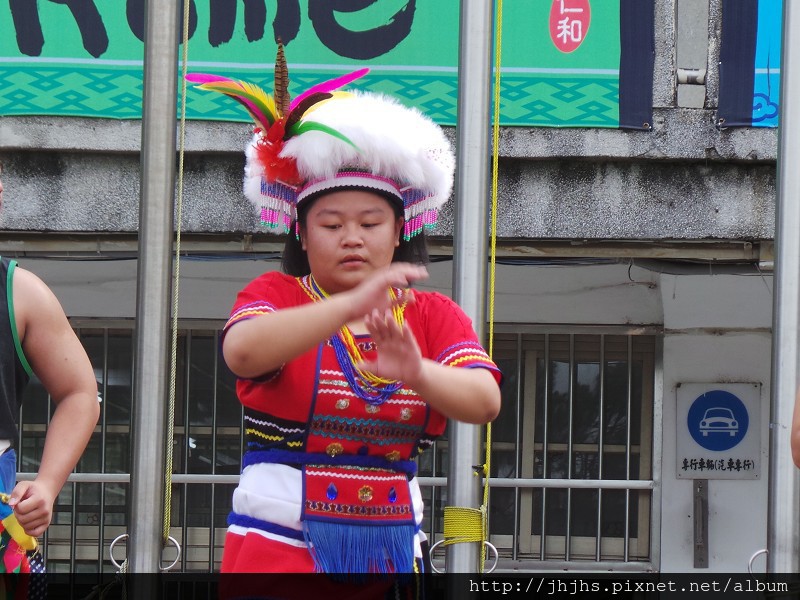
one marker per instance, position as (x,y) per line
(281,571)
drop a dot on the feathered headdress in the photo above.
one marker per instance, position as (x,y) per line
(324,139)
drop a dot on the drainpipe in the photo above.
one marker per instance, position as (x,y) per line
(783,525)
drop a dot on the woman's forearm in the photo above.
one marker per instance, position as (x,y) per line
(264,343)
(464,394)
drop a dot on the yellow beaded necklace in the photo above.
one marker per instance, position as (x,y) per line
(367,385)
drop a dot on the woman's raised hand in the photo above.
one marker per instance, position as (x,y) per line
(373,293)
(398,354)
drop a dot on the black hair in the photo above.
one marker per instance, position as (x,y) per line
(294,261)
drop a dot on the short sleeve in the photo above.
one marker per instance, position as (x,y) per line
(265,294)
(449,336)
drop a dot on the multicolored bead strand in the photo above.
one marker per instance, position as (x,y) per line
(369,387)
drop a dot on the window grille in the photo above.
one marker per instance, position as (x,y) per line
(573,452)
(574,464)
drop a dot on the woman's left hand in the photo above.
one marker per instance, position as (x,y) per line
(398,354)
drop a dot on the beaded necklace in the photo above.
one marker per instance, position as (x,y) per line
(369,387)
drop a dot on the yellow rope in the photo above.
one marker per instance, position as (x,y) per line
(173,371)
(498,45)
(463,524)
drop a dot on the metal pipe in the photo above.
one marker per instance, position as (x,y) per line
(470,241)
(494,482)
(783,526)
(153,283)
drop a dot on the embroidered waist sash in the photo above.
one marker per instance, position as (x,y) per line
(356,510)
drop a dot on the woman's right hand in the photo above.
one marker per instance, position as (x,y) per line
(373,293)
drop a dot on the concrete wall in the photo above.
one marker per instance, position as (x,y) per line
(717,329)
(685,179)
(525,293)
(665,190)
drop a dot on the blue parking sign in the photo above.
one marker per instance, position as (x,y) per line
(717,420)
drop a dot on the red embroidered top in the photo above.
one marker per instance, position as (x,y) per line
(355,456)
(442,330)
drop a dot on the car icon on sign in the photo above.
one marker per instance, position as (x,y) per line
(719,420)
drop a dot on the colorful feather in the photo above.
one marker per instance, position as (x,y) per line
(276,167)
(306,126)
(329,85)
(280,87)
(258,103)
(300,109)
(201,78)
(277,117)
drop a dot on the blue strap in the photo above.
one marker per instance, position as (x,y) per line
(8,477)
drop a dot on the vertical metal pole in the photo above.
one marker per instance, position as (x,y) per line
(470,242)
(153,284)
(783,533)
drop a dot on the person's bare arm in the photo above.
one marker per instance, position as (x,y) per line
(263,344)
(61,364)
(795,436)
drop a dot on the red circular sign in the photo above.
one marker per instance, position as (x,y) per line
(569,23)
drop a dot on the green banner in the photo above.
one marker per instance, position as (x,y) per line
(560,58)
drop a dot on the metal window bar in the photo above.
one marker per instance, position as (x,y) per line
(185,480)
(103,442)
(647,503)
(214,398)
(73,529)
(434,499)
(546,400)
(656,442)
(626,539)
(191,536)
(600,440)
(518,454)
(570,423)
(187,385)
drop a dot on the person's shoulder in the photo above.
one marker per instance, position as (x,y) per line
(439,310)
(273,279)
(29,284)
(432,300)
(272,284)
(33,299)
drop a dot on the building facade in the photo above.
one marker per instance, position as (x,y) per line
(632,266)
